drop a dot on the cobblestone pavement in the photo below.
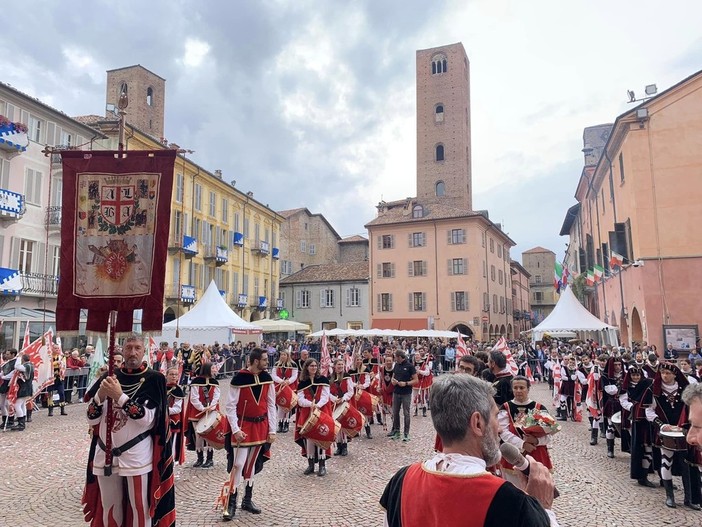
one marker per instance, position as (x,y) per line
(42,473)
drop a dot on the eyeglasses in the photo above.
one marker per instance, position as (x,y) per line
(465,369)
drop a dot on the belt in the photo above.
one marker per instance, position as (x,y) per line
(118,451)
(258,419)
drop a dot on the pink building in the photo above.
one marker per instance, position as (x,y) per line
(641,201)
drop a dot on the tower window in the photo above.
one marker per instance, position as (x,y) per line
(122,89)
(439,152)
(439,113)
(150,96)
(439,64)
(440,188)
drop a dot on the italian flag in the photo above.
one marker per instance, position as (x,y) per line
(616,260)
(599,271)
(557,277)
(590,277)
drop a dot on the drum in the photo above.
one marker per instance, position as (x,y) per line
(674,440)
(350,419)
(366,402)
(286,398)
(213,428)
(374,387)
(616,421)
(320,428)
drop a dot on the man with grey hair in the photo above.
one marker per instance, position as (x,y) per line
(464,414)
(692,397)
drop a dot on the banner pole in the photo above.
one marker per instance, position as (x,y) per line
(110,418)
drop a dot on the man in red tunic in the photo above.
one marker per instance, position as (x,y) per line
(252,416)
(464,414)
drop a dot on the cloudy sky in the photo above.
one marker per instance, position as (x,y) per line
(312,103)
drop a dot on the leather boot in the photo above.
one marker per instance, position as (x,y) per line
(229,513)
(416,409)
(337,452)
(669,494)
(310,467)
(643,481)
(344,449)
(603,434)
(19,427)
(63,409)
(209,463)
(593,436)
(424,411)
(286,426)
(247,504)
(610,448)
(371,420)
(51,410)
(368,432)
(322,468)
(29,416)
(200,459)
(280,427)
(10,423)
(379,419)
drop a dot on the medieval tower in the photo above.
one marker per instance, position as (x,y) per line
(147,97)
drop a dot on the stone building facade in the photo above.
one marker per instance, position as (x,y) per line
(306,239)
(540,263)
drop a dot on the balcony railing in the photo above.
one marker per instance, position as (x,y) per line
(262,247)
(186,293)
(37,283)
(53,217)
(12,206)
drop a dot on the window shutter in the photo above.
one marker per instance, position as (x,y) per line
(4,174)
(424,267)
(379,270)
(37,187)
(390,302)
(392,241)
(453,301)
(348,297)
(380,302)
(410,268)
(465,265)
(409,240)
(14,252)
(298,298)
(379,241)
(424,239)
(51,133)
(39,262)
(332,298)
(321,298)
(410,300)
(424,301)
(392,270)
(449,237)
(450,266)
(463,236)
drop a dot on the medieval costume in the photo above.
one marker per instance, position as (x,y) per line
(503,386)
(341,391)
(312,392)
(285,374)
(569,382)
(7,371)
(204,394)
(612,381)
(361,379)
(420,395)
(25,390)
(251,410)
(141,455)
(593,401)
(177,421)
(58,365)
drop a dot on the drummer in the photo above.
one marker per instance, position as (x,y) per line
(341,391)
(312,393)
(372,367)
(361,381)
(204,398)
(284,375)
(635,398)
(386,386)
(176,413)
(420,393)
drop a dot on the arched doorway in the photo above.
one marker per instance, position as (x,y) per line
(509,331)
(462,329)
(255,315)
(169,315)
(503,331)
(491,333)
(624,330)
(636,327)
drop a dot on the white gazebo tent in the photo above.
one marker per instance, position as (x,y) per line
(570,316)
(282,326)
(210,320)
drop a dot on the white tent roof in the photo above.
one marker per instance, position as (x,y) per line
(273,326)
(211,312)
(570,315)
(411,333)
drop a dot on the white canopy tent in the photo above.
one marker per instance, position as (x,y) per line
(570,317)
(401,333)
(282,326)
(210,320)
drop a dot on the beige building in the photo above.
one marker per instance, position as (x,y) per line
(641,200)
(435,262)
(540,263)
(521,298)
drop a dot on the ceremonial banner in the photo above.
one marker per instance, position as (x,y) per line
(325,365)
(114,238)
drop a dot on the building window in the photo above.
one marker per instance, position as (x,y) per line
(483,238)
(387,241)
(386,270)
(494,303)
(439,113)
(303,299)
(312,249)
(621,168)
(492,273)
(150,96)
(417,239)
(353,297)
(439,153)
(440,188)
(500,276)
(538,296)
(303,246)
(417,211)
(198,197)
(286,267)
(213,204)
(537,279)
(459,301)
(32,186)
(179,188)
(36,128)
(26,252)
(499,251)
(385,302)
(457,266)
(123,89)
(484,269)
(417,301)
(492,245)
(326,298)
(486,302)
(417,268)
(439,64)
(456,236)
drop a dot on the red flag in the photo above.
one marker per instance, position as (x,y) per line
(12,392)
(40,357)
(153,351)
(114,238)
(461,349)
(325,366)
(502,346)
(556,369)
(529,375)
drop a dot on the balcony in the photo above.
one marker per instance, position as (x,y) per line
(12,206)
(262,248)
(13,136)
(175,243)
(184,293)
(40,284)
(217,253)
(53,217)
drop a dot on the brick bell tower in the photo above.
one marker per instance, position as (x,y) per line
(443,126)
(147,97)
